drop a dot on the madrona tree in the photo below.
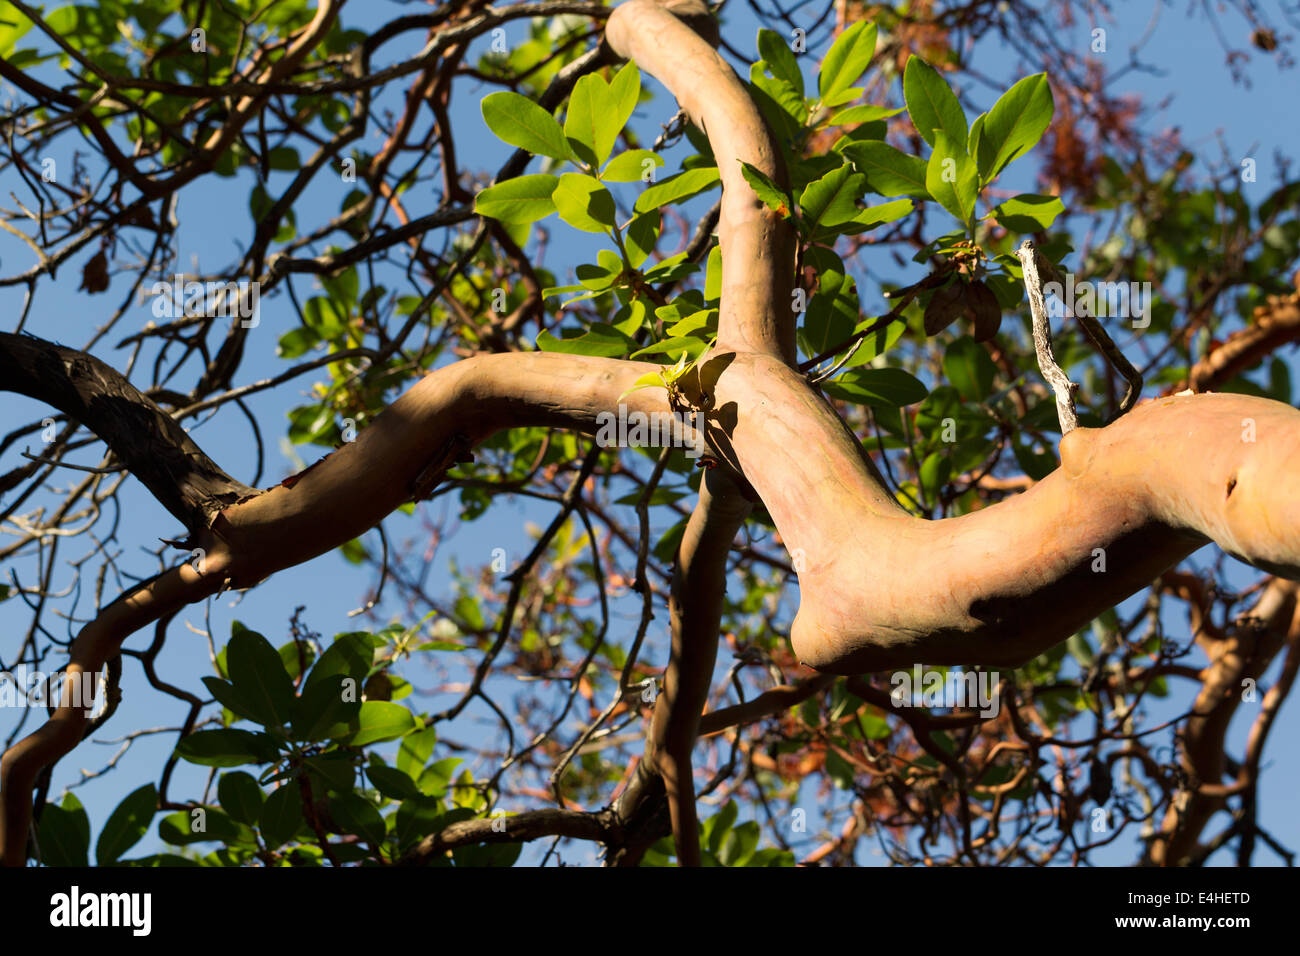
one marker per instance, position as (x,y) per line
(848,498)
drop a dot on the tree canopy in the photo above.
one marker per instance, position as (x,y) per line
(840,539)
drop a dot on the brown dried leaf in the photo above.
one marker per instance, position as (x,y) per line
(984,311)
(945,305)
(94,277)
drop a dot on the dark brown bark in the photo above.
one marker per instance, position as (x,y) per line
(147,441)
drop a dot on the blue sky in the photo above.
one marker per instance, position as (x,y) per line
(1202,103)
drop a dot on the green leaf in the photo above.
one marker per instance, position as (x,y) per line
(334,769)
(520,122)
(487,854)
(381,720)
(968,368)
(769,192)
(830,201)
(64,833)
(351,655)
(240,796)
(126,825)
(874,216)
(666,546)
(672,348)
(416,819)
(863,113)
(1017,121)
(877,387)
(833,309)
(227,748)
(584,203)
(672,269)
(310,423)
(13,26)
(391,782)
(523,199)
(714,830)
(295,342)
(415,751)
(784,110)
(951,176)
(780,59)
(179,828)
(631,166)
(974,141)
(713,275)
(935,472)
(624,91)
(281,815)
(641,236)
(259,677)
(877,343)
(1028,212)
(327,709)
(740,843)
(676,188)
(589,125)
(847,59)
(1036,464)
(436,777)
(601,339)
(1279,381)
(355,814)
(932,103)
(888,171)
(297,655)
(225,694)
(284,159)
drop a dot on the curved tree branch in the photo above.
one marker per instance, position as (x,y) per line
(756,312)
(146,440)
(879,588)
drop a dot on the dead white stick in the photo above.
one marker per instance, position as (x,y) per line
(1054,374)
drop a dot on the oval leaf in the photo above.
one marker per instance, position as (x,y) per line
(519,200)
(381,720)
(520,122)
(227,748)
(889,171)
(676,188)
(584,203)
(847,58)
(951,176)
(931,102)
(240,796)
(259,678)
(1017,121)
(877,387)
(126,825)
(281,815)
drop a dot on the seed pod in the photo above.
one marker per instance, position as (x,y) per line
(378,687)
(1099,782)
(984,311)
(94,276)
(945,305)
